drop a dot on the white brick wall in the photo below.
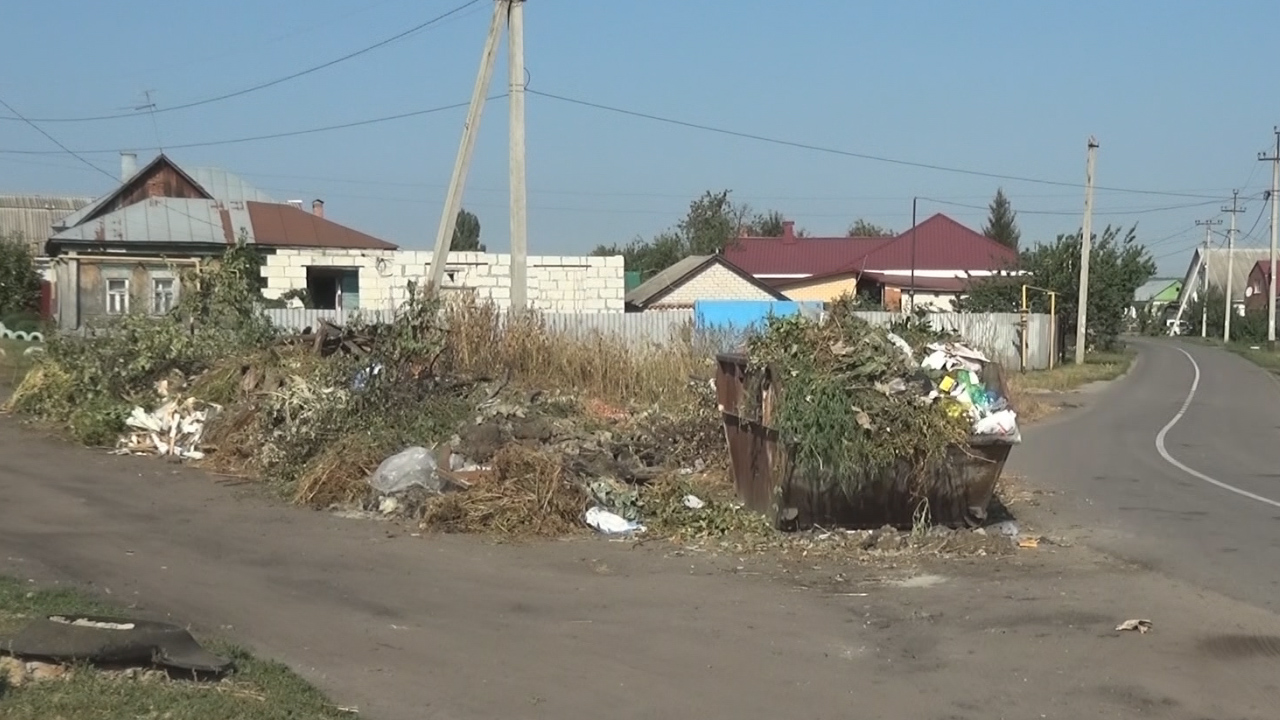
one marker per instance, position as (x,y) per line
(715,282)
(556,283)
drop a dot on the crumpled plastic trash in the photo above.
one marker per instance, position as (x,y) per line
(362,378)
(611,523)
(1142,626)
(1002,422)
(412,467)
(1006,528)
(902,345)
(175,429)
(693,502)
(949,356)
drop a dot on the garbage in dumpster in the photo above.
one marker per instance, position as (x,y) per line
(855,431)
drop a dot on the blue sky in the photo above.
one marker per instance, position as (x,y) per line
(1180,100)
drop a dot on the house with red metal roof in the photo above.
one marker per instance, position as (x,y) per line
(124,251)
(933,263)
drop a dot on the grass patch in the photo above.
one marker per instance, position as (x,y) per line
(1097,366)
(255,690)
(1268,360)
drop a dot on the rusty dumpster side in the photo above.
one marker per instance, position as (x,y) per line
(767,481)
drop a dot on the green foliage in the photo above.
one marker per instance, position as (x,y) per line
(89,383)
(1211,307)
(841,404)
(1002,222)
(862,228)
(1118,266)
(711,225)
(302,295)
(19,280)
(466,233)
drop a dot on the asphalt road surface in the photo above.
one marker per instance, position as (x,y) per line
(450,627)
(1203,505)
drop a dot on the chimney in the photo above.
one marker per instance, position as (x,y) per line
(317,207)
(296,203)
(128,165)
(788,232)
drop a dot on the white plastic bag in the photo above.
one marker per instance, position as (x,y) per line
(415,466)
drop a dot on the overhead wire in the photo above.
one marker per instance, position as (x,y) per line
(271,136)
(54,140)
(271,83)
(846,153)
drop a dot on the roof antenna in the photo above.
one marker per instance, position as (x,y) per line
(150,107)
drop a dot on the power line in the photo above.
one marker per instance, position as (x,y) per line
(848,153)
(1127,211)
(272,136)
(277,81)
(54,140)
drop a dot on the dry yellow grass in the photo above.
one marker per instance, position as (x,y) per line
(480,342)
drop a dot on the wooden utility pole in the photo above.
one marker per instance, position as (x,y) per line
(519,196)
(1235,209)
(1086,244)
(1274,159)
(1204,274)
(453,200)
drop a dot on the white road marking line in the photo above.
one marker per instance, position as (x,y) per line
(1195,384)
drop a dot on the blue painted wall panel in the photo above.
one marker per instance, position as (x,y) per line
(740,315)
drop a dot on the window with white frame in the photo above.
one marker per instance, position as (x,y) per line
(117,296)
(162,295)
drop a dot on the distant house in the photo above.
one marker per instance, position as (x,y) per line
(29,217)
(698,277)
(935,263)
(124,252)
(1258,286)
(1156,297)
(1243,262)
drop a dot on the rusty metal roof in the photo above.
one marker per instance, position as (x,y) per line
(287,226)
(33,216)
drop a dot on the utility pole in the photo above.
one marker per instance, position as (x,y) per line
(1274,159)
(453,200)
(1204,273)
(519,196)
(1086,244)
(1235,209)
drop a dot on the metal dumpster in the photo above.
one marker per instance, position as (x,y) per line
(959,490)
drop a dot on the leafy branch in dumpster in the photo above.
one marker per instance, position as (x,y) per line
(849,402)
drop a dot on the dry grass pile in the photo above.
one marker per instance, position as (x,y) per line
(530,494)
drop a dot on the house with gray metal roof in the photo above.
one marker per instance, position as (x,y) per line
(124,251)
(698,277)
(30,218)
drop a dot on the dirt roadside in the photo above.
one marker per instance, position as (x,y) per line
(451,627)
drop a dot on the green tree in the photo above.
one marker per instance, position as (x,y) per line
(712,223)
(19,280)
(1002,221)
(466,233)
(1118,265)
(862,228)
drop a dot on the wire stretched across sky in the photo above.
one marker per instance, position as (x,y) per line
(262,86)
(54,140)
(849,153)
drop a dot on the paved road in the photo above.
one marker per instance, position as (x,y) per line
(1131,501)
(448,627)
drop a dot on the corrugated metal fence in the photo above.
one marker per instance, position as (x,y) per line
(997,334)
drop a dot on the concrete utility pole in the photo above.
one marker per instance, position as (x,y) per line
(1274,159)
(519,196)
(1086,244)
(453,200)
(1235,209)
(1204,274)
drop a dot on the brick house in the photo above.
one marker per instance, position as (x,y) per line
(698,277)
